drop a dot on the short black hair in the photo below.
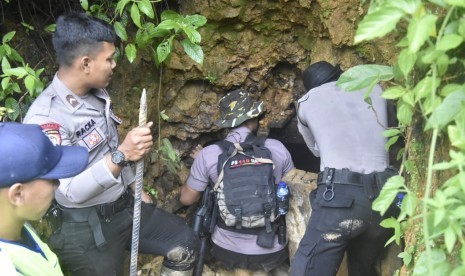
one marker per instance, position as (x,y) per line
(77,34)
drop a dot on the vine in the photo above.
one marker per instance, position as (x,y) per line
(427,83)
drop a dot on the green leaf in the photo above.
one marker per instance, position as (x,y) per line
(438,260)
(449,88)
(135,15)
(406,257)
(439,215)
(27,26)
(444,166)
(120,6)
(29,82)
(449,41)
(195,20)
(5,82)
(391,142)
(15,56)
(404,114)
(425,87)
(51,28)
(392,223)
(448,109)
(458,3)
(5,64)
(409,204)
(407,6)
(391,132)
(393,92)
(18,72)
(419,31)
(377,24)
(449,238)
(431,55)
(192,34)
(361,76)
(169,25)
(171,15)
(131,52)
(13,105)
(164,49)
(406,61)
(84,4)
(456,136)
(164,116)
(442,64)
(8,36)
(120,31)
(388,194)
(194,51)
(146,8)
(153,31)
(408,98)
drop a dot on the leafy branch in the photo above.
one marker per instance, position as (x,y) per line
(426,88)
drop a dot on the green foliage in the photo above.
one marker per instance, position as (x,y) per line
(428,87)
(156,37)
(20,83)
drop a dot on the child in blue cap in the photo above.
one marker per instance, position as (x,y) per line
(29,168)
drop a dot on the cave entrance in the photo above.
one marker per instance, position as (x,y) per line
(302,157)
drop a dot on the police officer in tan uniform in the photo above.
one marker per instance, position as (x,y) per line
(96,205)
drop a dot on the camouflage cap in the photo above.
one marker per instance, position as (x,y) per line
(237,107)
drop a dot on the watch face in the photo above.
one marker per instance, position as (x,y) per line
(118,157)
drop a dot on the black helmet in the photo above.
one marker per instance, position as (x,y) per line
(319,73)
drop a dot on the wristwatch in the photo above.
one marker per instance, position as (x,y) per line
(118,158)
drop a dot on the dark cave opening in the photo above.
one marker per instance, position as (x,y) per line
(302,157)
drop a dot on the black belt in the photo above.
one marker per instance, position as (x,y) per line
(336,176)
(93,213)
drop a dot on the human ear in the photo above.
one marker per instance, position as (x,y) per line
(17,194)
(85,63)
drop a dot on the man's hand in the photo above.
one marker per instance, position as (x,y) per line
(196,151)
(137,143)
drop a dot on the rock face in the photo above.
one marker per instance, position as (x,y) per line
(261,46)
(301,183)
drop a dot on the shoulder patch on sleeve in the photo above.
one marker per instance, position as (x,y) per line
(52,130)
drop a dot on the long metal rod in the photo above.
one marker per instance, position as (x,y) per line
(138,192)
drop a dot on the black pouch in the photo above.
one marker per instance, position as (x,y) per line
(266,239)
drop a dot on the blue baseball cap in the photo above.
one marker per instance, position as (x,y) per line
(26,153)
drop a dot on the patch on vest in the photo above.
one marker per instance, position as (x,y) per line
(72,100)
(93,139)
(52,130)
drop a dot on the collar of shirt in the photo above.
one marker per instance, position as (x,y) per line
(238,134)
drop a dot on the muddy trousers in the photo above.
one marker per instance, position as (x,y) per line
(161,233)
(344,223)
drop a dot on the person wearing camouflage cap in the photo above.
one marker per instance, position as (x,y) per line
(240,113)
(238,107)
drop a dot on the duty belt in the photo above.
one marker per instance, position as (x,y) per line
(344,176)
(331,176)
(93,214)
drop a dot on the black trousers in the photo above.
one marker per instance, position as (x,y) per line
(344,223)
(161,233)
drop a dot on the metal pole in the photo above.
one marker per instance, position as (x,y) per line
(138,192)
